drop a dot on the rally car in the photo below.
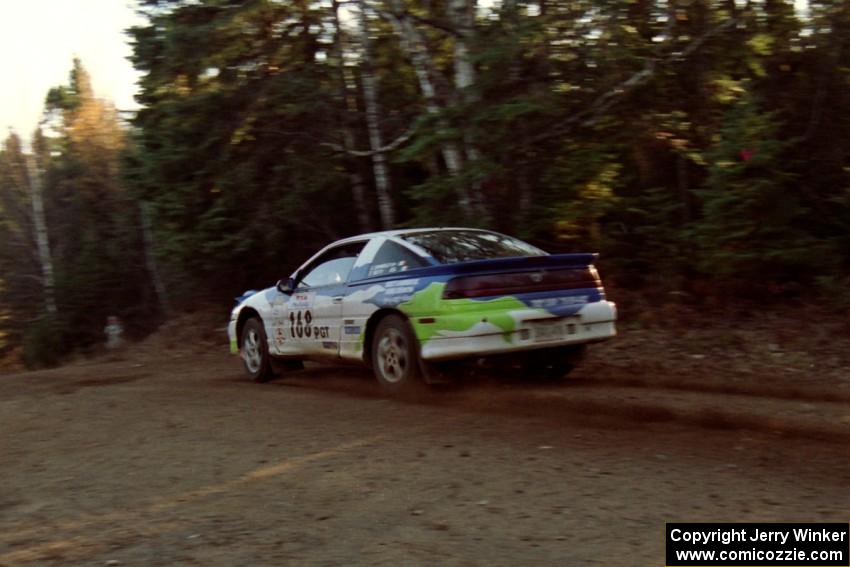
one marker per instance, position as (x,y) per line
(403,301)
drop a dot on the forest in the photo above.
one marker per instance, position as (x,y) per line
(701,147)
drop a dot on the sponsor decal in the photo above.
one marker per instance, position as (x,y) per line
(402,283)
(387,268)
(302,300)
(396,292)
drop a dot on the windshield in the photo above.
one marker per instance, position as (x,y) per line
(452,246)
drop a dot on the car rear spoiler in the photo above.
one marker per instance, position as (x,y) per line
(521,264)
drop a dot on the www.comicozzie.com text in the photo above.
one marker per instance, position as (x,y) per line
(726,536)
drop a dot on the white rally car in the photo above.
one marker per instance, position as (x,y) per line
(404,300)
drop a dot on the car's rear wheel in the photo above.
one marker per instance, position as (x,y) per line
(255,351)
(395,356)
(553,364)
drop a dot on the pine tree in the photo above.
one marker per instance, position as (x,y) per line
(754,223)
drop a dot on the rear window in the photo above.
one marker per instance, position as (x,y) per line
(392,258)
(452,246)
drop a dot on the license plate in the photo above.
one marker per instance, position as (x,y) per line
(548,331)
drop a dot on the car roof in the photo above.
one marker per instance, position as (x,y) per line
(402,232)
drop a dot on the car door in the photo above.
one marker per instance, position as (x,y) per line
(381,258)
(314,310)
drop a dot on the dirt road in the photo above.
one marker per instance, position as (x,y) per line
(174,459)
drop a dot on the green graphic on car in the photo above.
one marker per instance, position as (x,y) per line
(459,315)
(456,315)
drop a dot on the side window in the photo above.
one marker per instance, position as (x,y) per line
(332,267)
(392,258)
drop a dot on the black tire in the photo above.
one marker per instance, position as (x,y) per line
(254,348)
(553,364)
(395,357)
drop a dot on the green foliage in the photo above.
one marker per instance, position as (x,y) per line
(653,180)
(95,248)
(691,153)
(260,191)
(649,240)
(755,219)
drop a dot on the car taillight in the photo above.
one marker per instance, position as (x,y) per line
(521,282)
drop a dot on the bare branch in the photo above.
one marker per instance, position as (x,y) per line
(590,115)
(438,25)
(698,43)
(383,149)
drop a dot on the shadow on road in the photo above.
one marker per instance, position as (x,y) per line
(575,402)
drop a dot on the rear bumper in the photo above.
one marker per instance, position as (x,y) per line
(593,323)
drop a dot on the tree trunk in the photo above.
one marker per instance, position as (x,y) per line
(414,45)
(41,237)
(684,191)
(463,19)
(348,106)
(358,186)
(150,259)
(373,113)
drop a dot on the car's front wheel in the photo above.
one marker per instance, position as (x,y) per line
(395,356)
(255,351)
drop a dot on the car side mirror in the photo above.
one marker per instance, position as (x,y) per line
(286,286)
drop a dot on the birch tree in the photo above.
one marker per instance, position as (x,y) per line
(463,17)
(414,45)
(373,115)
(347,104)
(36,184)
